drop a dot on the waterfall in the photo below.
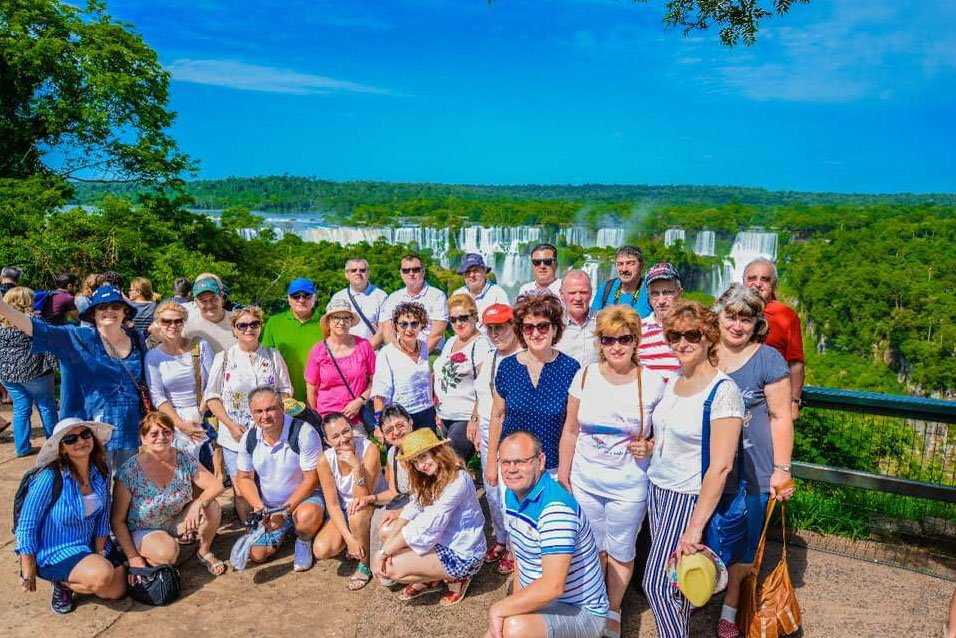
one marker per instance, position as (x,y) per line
(704,243)
(593,269)
(610,237)
(253,233)
(345,235)
(672,235)
(578,235)
(748,245)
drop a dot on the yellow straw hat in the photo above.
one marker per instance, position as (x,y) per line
(419,442)
(698,576)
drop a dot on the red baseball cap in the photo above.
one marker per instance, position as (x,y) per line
(497,314)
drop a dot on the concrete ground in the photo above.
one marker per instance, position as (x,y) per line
(839,597)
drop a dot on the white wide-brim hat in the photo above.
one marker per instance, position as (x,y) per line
(51,448)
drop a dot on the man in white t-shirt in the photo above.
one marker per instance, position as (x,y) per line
(212,321)
(544,263)
(663,290)
(485,293)
(283,454)
(366,300)
(579,320)
(417,290)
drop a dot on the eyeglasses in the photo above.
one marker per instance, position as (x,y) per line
(353,271)
(405,325)
(653,294)
(692,336)
(159,433)
(251,325)
(542,262)
(171,322)
(71,439)
(624,340)
(542,328)
(301,296)
(387,431)
(461,318)
(413,269)
(340,319)
(517,462)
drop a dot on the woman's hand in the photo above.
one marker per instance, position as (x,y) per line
(193,516)
(359,503)
(781,485)
(193,429)
(275,520)
(235,430)
(564,478)
(491,474)
(28,582)
(389,516)
(355,548)
(137,561)
(348,457)
(353,407)
(641,448)
(689,542)
(473,433)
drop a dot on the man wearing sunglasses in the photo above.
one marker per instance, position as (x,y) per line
(366,299)
(417,290)
(626,287)
(209,319)
(544,264)
(294,332)
(664,289)
(579,321)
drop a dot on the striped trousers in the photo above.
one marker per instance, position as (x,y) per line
(668,514)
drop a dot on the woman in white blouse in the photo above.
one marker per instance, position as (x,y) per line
(604,457)
(455,371)
(402,374)
(683,497)
(176,372)
(236,371)
(439,536)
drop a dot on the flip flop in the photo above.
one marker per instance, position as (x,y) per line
(410,592)
(455,597)
(212,564)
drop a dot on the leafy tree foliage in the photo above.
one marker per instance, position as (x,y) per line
(737,19)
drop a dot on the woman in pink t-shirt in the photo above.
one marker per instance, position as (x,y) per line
(339,370)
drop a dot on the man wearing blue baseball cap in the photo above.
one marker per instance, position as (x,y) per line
(294,332)
(485,293)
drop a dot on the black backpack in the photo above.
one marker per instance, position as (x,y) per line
(253,440)
(24,487)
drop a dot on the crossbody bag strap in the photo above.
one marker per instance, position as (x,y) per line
(494,369)
(358,309)
(338,369)
(640,399)
(197,371)
(705,431)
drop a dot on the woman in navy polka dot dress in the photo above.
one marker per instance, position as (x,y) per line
(531,387)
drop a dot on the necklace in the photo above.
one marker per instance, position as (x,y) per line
(413,352)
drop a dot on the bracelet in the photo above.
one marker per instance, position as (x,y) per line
(359,480)
(799,402)
(782,468)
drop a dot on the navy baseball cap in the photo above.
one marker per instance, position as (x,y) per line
(301,285)
(470,260)
(662,270)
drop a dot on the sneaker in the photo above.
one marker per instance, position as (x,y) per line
(727,629)
(303,555)
(63,601)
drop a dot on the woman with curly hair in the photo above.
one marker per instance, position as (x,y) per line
(402,372)
(439,536)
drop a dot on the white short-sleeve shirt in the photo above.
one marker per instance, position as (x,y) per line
(279,468)
(370,301)
(399,379)
(491,294)
(532,287)
(433,299)
(578,339)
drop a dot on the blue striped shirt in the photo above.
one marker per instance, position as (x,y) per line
(550,521)
(67,530)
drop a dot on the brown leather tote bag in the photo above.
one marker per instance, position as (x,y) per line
(769,609)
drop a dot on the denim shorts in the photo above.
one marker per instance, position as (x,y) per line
(60,572)
(571,621)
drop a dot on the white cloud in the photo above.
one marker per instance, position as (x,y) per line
(254,77)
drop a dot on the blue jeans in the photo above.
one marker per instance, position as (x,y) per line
(38,390)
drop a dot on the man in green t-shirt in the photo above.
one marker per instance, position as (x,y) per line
(295,331)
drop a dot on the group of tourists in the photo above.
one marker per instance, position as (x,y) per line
(592,415)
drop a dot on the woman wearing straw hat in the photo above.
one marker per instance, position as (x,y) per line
(338,374)
(63,540)
(103,364)
(439,535)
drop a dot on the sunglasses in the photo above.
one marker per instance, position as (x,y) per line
(624,340)
(251,325)
(113,305)
(301,296)
(357,270)
(340,319)
(542,262)
(172,322)
(461,318)
(405,325)
(413,269)
(692,336)
(542,328)
(71,439)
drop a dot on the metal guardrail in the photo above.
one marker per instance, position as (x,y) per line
(937,410)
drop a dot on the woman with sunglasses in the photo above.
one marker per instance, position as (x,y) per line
(456,369)
(176,372)
(154,508)
(102,367)
(61,533)
(604,449)
(764,379)
(338,373)
(402,371)
(531,388)
(235,372)
(682,497)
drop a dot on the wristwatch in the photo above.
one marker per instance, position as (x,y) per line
(383,553)
(799,402)
(782,468)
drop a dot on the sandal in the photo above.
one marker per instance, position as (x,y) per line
(359,578)
(455,597)
(616,617)
(495,552)
(410,592)
(187,538)
(507,563)
(212,564)
(727,629)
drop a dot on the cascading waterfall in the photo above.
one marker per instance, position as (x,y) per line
(345,235)
(578,235)
(593,269)
(610,237)
(748,245)
(673,235)
(704,243)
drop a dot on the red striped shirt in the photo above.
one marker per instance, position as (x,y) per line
(654,353)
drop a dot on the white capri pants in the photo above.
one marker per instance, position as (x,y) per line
(614,524)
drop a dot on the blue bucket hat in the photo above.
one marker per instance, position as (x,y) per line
(105,295)
(470,260)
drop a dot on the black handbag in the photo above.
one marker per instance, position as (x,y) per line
(155,586)
(367,413)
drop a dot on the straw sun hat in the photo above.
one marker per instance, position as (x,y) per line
(335,307)
(419,442)
(698,576)
(51,448)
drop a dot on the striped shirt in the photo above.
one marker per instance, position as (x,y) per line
(550,521)
(654,352)
(66,531)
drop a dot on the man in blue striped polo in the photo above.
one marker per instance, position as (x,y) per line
(559,590)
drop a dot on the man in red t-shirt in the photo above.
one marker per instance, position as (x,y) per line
(785,335)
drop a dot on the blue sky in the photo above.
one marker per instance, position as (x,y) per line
(841,95)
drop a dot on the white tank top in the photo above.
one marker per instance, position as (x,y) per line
(343,482)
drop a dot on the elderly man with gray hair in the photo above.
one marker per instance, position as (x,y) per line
(579,320)
(785,335)
(366,299)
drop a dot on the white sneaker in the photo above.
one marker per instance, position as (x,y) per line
(303,555)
